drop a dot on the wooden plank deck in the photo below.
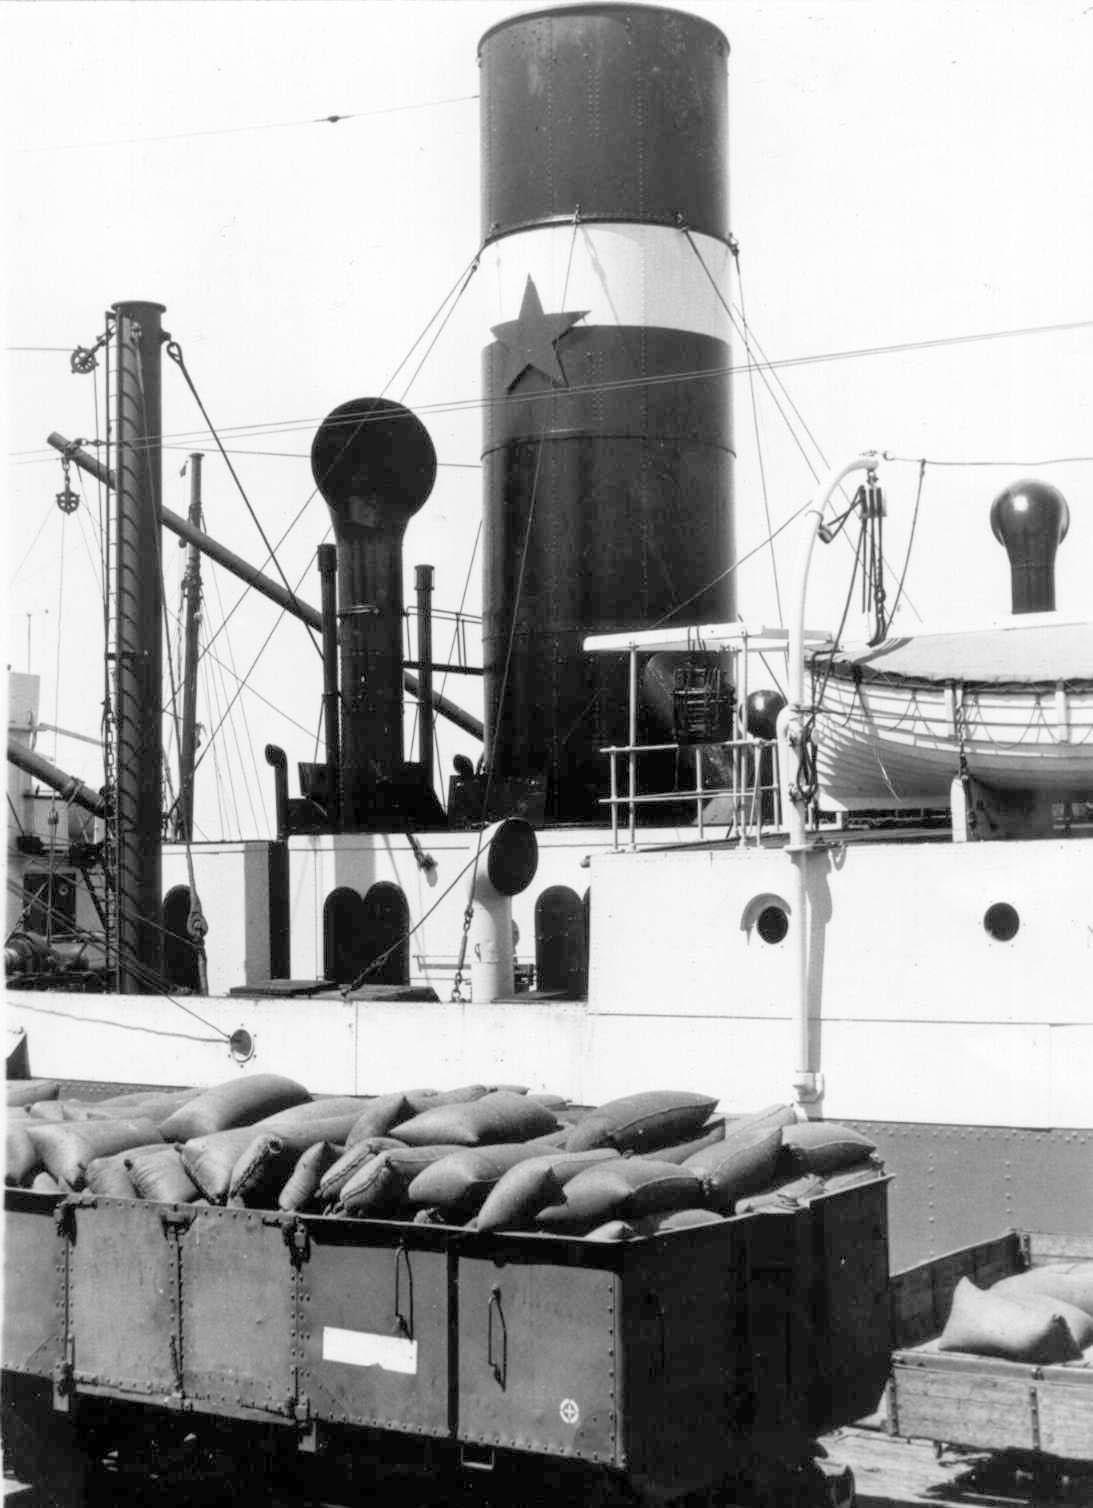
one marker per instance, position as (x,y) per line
(895,1473)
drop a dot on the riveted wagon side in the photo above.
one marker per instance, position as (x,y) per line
(667,1364)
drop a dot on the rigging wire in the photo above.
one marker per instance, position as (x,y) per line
(271,125)
(30,551)
(1014,465)
(758,439)
(750,344)
(253,691)
(174,351)
(454,294)
(60,616)
(230,669)
(910,540)
(15,814)
(732,369)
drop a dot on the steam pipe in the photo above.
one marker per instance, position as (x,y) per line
(280,914)
(276,757)
(65,785)
(254,578)
(807,1081)
(328,571)
(423,583)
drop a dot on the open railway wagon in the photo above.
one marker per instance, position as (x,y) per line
(1038,1413)
(696,1361)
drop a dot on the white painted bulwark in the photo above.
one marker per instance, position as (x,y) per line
(322,863)
(233,883)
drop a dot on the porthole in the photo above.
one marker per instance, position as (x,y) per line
(1001,921)
(241,1045)
(772,924)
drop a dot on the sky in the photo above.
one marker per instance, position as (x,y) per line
(901,171)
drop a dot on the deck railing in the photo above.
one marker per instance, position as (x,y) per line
(754,792)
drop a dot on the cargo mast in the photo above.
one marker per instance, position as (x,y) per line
(137,650)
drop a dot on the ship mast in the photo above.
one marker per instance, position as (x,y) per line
(137,648)
(191,587)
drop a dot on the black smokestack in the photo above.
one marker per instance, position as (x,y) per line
(1031,519)
(375,465)
(607,451)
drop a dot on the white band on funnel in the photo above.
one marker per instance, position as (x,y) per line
(643,275)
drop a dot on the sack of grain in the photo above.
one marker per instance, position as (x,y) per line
(530,1186)
(824,1146)
(334,1107)
(66,1149)
(432,1099)
(1071,1281)
(611,1230)
(712,1134)
(264,1165)
(302,1185)
(209,1160)
(688,1219)
(47,1110)
(984,1323)
(642,1122)
(45,1183)
(140,1104)
(260,1170)
(854,1175)
(238,1102)
(377,1117)
(379,1187)
(351,1161)
(21,1160)
(787,1194)
(457,1184)
(162,1179)
(497,1117)
(623,1189)
(108,1177)
(740,1164)
(31,1091)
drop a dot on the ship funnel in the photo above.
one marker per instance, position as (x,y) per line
(375,465)
(1031,519)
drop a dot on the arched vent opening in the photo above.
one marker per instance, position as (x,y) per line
(561,942)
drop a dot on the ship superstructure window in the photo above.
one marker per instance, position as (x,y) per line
(386,923)
(49,903)
(344,942)
(561,942)
(1001,921)
(179,956)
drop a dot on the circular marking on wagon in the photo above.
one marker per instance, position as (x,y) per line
(570,1411)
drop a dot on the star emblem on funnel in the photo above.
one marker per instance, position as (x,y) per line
(529,340)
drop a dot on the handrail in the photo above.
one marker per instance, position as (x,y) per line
(747,792)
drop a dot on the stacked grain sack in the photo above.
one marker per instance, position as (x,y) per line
(486,1158)
(1040,1317)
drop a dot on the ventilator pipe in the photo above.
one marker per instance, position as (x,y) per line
(807,1081)
(507,860)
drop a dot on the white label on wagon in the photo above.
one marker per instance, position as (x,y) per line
(361,1348)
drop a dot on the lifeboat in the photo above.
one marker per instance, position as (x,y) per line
(1009,705)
